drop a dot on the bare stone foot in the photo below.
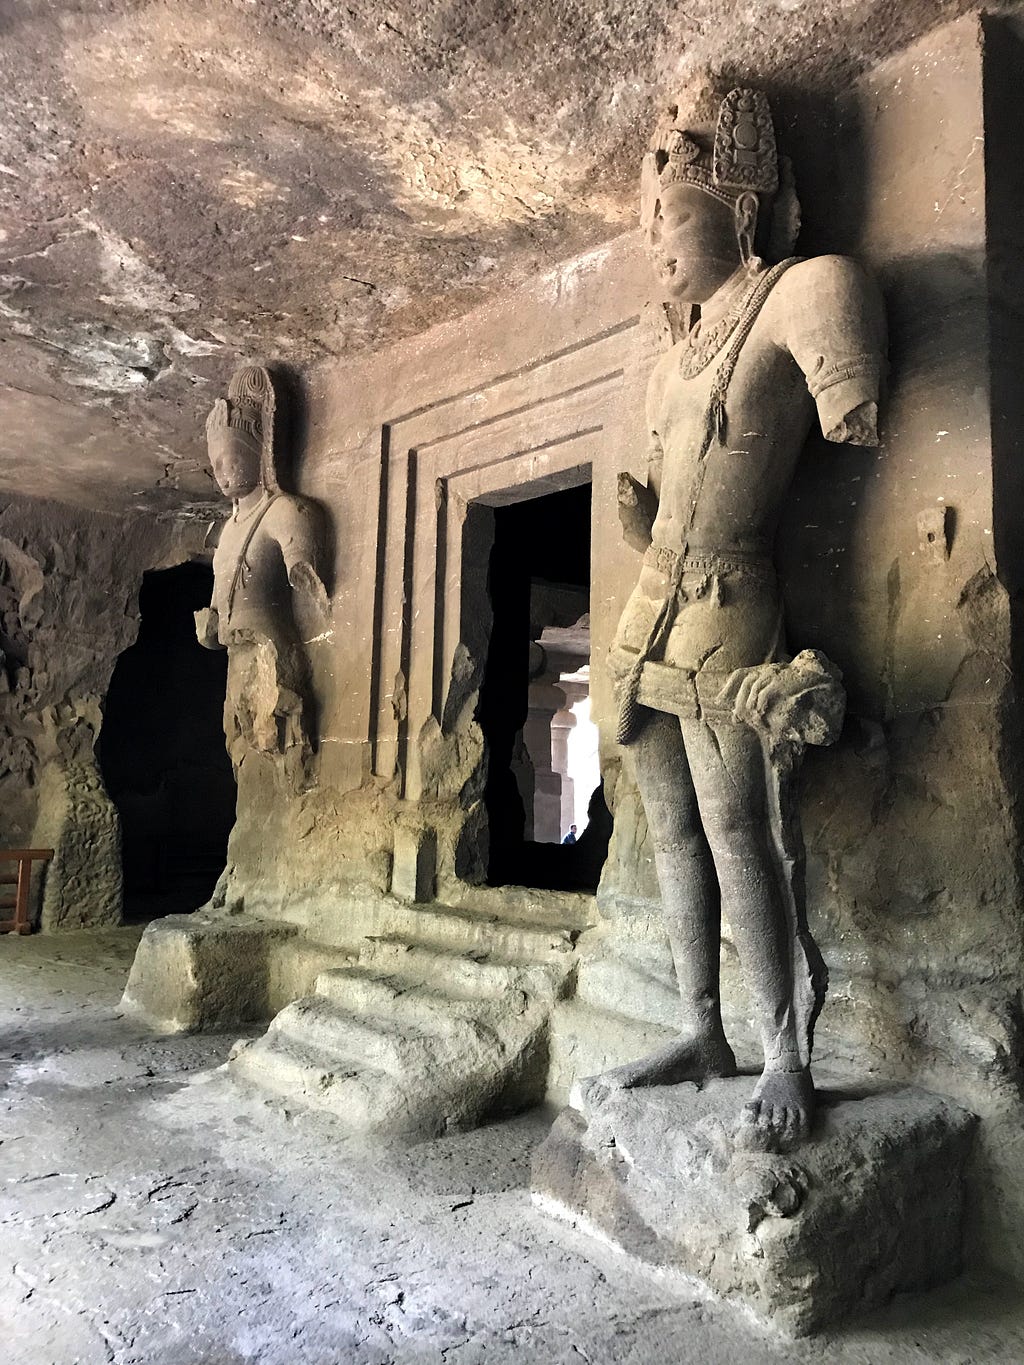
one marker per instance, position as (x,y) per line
(683,1059)
(778,1115)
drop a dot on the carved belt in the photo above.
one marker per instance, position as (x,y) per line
(673,566)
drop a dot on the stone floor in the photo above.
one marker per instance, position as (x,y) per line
(155,1214)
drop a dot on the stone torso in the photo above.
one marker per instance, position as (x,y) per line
(804,329)
(251,593)
(817,340)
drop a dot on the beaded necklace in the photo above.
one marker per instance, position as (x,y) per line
(700,346)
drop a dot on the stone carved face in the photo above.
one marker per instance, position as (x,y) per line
(691,240)
(234,456)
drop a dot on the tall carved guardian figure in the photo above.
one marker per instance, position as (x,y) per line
(269,600)
(713,710)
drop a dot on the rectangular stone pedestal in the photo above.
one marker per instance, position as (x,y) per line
(871,1204)
(207,970)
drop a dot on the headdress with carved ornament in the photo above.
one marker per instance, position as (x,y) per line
(725,145)
(251,406)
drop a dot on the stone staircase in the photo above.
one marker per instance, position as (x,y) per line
(423,1031)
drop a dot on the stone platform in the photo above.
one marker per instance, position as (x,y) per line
(207,970)
(871,1205)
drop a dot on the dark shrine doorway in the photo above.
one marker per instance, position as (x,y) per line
(162,750)
(543,776)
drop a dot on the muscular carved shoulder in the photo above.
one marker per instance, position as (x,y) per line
(291,512)
(294,522)
(832,281)
(827,312)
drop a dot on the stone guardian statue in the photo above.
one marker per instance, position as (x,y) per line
(713,710)
(269,601)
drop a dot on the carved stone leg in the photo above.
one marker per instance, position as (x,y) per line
(739,811)
(691,910)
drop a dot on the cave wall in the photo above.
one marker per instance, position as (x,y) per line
(69,585)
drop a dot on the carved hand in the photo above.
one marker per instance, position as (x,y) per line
(637,509)
(759,689)
(802,700)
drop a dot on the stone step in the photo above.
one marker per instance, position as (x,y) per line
(447,930)
(381,1043)
(474,974)
(367,991)
(446,1068)
(295,964)
(297,1072)
(527,905)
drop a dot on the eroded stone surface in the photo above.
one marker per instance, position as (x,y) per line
(872,1204)
(151,1210)
(69,588)
(717,733)
(207,970)
(270,606)
(357,175)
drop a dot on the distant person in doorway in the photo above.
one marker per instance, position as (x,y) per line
(570,838)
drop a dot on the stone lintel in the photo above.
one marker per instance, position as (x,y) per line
(204,971)
(871,1205)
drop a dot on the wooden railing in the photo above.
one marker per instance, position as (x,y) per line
(17,899)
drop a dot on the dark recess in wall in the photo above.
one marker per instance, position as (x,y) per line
(162,750)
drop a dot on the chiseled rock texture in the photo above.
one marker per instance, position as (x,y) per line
(205,970)
(185,186)
(69,587)
(872,1205)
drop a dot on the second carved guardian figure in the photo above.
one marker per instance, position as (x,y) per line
(269,602)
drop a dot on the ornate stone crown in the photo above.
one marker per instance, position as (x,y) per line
(251,402)
(251,406)
(742,156)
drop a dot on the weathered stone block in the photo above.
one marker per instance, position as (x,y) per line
(414,873)
(204,971)
(871,1205)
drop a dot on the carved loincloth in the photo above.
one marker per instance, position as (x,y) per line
(809,698)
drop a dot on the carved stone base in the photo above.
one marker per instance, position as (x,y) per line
(204,971)
(871,1205)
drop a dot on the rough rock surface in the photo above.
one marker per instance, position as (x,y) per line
(154,1213)
(83,883)
(184,185)
(203,971)
(68,607)
(871,1205)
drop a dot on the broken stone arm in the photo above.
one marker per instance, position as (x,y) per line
(839,341)
(304,578)
(300,540)
(207,626)
(638,503)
